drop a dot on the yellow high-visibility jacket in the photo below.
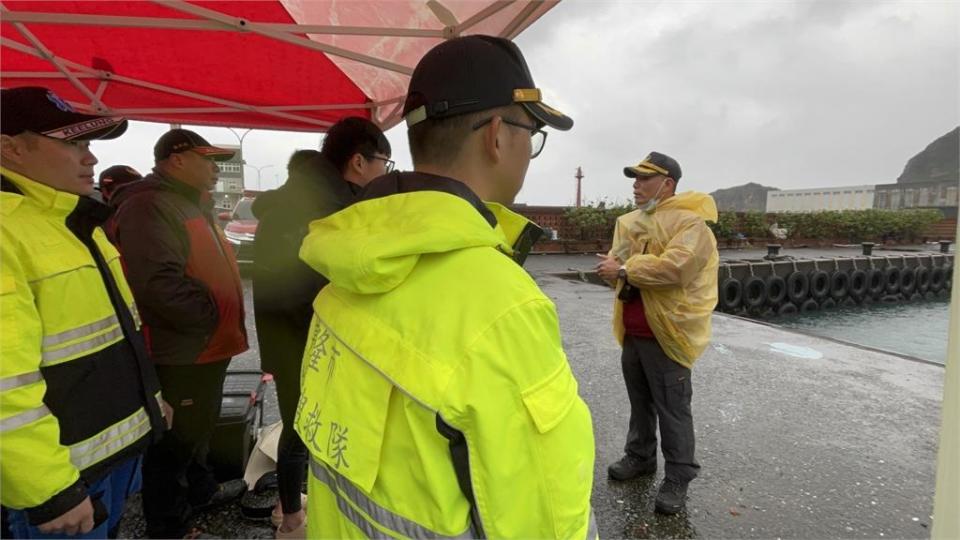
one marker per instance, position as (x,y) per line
(671,255)
(436,397)
(78,394)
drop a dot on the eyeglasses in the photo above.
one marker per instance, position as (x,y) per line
(538,137)
(388,164)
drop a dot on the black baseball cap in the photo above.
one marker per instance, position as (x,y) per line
(39,110)
(113,177)
(655,163)
(475,73)
(181,140)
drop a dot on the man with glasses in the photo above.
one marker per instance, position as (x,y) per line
(436,397)
(185,279)
(318,184)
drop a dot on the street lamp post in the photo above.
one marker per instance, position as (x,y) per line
(243,161)
(240,137)
(258,169)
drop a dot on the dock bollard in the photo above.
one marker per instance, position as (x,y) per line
(773,251)
(867,248)
(945,246)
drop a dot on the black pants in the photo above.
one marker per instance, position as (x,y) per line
(291,452)
(175,471)
(659,388)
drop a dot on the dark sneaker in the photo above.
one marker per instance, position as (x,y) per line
(672,497)
(228,491)
(631,467)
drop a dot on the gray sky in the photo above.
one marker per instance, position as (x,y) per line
(786,94)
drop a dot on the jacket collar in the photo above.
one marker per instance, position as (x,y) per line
(192,194)
(518,232)
(406,182)
(59,202)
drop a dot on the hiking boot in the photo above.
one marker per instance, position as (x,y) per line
(226,492)
(631,467)
(672,497)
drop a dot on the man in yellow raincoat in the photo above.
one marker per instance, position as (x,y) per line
(664,260)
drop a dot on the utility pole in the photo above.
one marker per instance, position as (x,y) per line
(258,169)
(579,177)
(243,161)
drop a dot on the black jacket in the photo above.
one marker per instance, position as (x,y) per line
(181,269)
(284,286)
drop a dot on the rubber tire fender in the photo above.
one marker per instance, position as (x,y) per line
(819,285)
(923,279)
(936,279)
(875,283)
(839,284)
(731,294)
(776,290)
(754,292)
(787,309)
(891,277)
(798,287)
(908,282)
(858,284)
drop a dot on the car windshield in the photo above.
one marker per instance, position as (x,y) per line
(244,209)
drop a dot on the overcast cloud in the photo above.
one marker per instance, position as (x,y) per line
(786,94)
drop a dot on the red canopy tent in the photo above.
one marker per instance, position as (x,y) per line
(296,65)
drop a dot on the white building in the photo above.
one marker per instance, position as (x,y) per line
(816,199)
(230,186)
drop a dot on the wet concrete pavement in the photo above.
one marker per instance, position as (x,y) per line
(798,437)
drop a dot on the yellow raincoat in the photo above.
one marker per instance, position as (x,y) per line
(671,256)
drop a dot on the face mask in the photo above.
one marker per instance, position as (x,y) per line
(651,205)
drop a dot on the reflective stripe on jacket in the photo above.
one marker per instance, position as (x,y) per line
(78,393)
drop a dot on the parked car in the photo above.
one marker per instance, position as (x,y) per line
(241,228)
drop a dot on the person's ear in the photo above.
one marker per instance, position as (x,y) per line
(492,144)
(10,149)
(357,163)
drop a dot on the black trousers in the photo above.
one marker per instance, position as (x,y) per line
(175,471)
(291,452)
(659,389)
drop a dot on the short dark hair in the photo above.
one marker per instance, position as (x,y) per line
(353,135)
(299,158)
(438,141)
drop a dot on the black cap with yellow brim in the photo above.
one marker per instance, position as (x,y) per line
(472,74)
(654,164)
(530,99)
